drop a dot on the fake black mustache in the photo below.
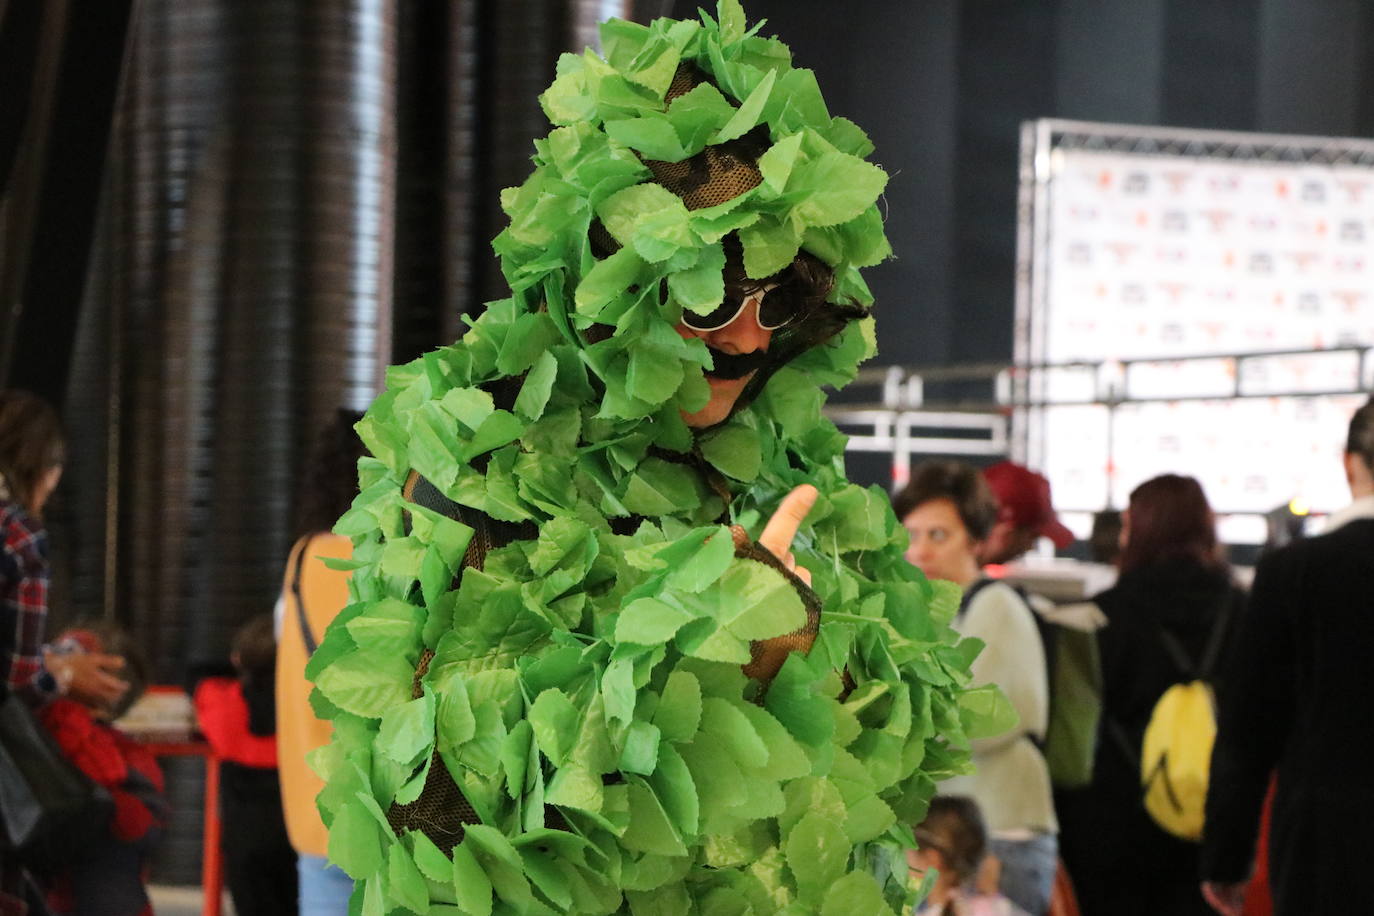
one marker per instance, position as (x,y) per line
(734,365)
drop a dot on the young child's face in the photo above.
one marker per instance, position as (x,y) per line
(920,861)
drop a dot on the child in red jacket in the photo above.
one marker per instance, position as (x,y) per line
(238,717)
(107,878)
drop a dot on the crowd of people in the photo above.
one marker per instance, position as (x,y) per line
(1283,661)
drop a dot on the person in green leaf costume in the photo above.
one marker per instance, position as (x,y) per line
(623,638)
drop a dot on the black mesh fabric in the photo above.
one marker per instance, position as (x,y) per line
(767,655)
(441,810)
(713,176)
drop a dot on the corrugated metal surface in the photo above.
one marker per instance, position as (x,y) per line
(242,294)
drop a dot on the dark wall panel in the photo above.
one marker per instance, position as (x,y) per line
(1211,56)
(1006,75)
(1309,60)
(1109,61)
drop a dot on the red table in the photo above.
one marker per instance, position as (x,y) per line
(211,865)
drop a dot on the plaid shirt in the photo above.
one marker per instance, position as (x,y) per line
(23,605)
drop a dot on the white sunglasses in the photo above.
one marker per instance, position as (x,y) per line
(774,311)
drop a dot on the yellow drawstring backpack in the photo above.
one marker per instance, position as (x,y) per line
(1176,754)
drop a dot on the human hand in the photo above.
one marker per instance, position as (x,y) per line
(781,529)
(1226,897)
(90,678)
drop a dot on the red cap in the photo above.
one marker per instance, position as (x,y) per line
(1023,497)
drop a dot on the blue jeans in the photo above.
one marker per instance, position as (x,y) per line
(1028,868)
(324,888)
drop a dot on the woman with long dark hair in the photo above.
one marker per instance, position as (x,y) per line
(32,452)
(1175,588)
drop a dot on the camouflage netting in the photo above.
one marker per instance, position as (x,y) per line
(563,687)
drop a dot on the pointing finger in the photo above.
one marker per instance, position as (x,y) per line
(782,527)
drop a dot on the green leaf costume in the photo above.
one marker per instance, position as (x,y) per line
(565,685)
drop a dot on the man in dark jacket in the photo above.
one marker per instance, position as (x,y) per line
(1300,704)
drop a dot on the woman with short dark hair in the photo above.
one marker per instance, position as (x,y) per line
(948,510)
(1176,581)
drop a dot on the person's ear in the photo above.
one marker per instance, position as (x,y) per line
(1358,475)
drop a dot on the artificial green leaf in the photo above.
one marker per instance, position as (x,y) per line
(734,450)
(811,795)
(649,622)
(856,892)
(623,212)
(575,787)
(431,861)
(841,187)
(673,784)
(708,640)
(986,712)
(407,731)
(547,878)
(640,754)
(608,279)
(786,758)
(661,487)
(618,689)
(758,603)
(454,716)
(404,880)
(769,246)
(554,720)
(732,24)
(367,682)
(725,722)
(470,882)
(704,565)
(848,137)
(389,625)
(869,818)
(651,134)
(355,842)
(794,701)
(700,288)
(649,829)
(678,713)
(534,393)
(651,378)
(501,862)
(469,406)
(697,114)
(748,113)
(777,163)
(817,852)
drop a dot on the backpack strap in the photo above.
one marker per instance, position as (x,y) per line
(1043,628)
(1220,626)
(970,593)
(295,563)
(1206,663)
